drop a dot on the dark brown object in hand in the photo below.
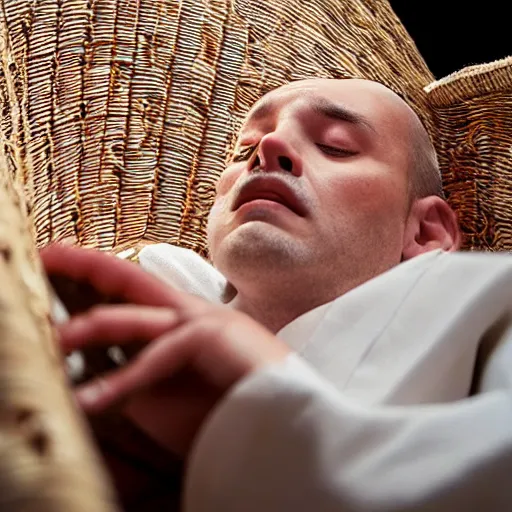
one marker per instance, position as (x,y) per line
(146,476)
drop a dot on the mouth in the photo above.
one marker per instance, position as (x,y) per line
(270,189)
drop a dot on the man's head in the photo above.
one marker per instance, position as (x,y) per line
(351,187)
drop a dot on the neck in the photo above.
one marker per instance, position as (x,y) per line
(276,310)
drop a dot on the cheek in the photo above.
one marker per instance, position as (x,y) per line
(220,209)
(371,197)
(212,216)
(216,223)
(228,179)
(213,220)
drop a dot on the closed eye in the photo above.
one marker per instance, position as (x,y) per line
(336,152)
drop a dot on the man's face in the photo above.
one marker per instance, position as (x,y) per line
(319,184)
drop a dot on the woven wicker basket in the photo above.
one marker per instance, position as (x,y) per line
(118,115)
(472,111)
(46,458)
(116,119)
(128,108)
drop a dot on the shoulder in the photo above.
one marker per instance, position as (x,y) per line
(479,257)
(461,264)
(475,265)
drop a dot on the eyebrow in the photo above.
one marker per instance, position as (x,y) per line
(327,108)
(321,106)
(261,111)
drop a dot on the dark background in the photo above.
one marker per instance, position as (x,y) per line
(453,34)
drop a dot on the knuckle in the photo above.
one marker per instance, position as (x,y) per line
(208,326)
(97,314)
(214,326)
(98,319)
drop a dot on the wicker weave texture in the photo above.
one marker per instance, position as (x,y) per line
(47,460)
(129,107)
(473,114)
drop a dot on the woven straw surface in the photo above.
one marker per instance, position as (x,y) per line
(129,108)
(117,116)
(473,114)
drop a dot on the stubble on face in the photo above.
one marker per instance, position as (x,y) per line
(259,248)
(260,242)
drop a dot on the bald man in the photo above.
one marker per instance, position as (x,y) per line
(326,360)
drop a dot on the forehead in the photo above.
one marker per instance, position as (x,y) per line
(381,107)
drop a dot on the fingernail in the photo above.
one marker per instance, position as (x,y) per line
(90,394)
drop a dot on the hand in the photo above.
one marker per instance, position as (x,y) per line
(193,351)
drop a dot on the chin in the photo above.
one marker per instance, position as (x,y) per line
(258,247)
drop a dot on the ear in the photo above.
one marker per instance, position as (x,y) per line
(431,225)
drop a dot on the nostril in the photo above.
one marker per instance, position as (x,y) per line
(285,163)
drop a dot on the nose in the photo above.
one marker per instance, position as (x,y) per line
(275,153)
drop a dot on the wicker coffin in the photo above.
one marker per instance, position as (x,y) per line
(46,458)
(129,107)
(472,111)
(116,118)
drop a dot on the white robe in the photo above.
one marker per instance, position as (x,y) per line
(374,413)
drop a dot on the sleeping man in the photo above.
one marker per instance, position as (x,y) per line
(339,354)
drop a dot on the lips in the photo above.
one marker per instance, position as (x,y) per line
(270,189)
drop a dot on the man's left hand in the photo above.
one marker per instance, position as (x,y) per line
(192,353)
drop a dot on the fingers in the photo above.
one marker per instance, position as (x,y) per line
(157,362)
(210,346)
(110,276)
(116,325)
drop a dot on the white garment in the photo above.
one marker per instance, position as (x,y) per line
(378,418)
(184,270)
